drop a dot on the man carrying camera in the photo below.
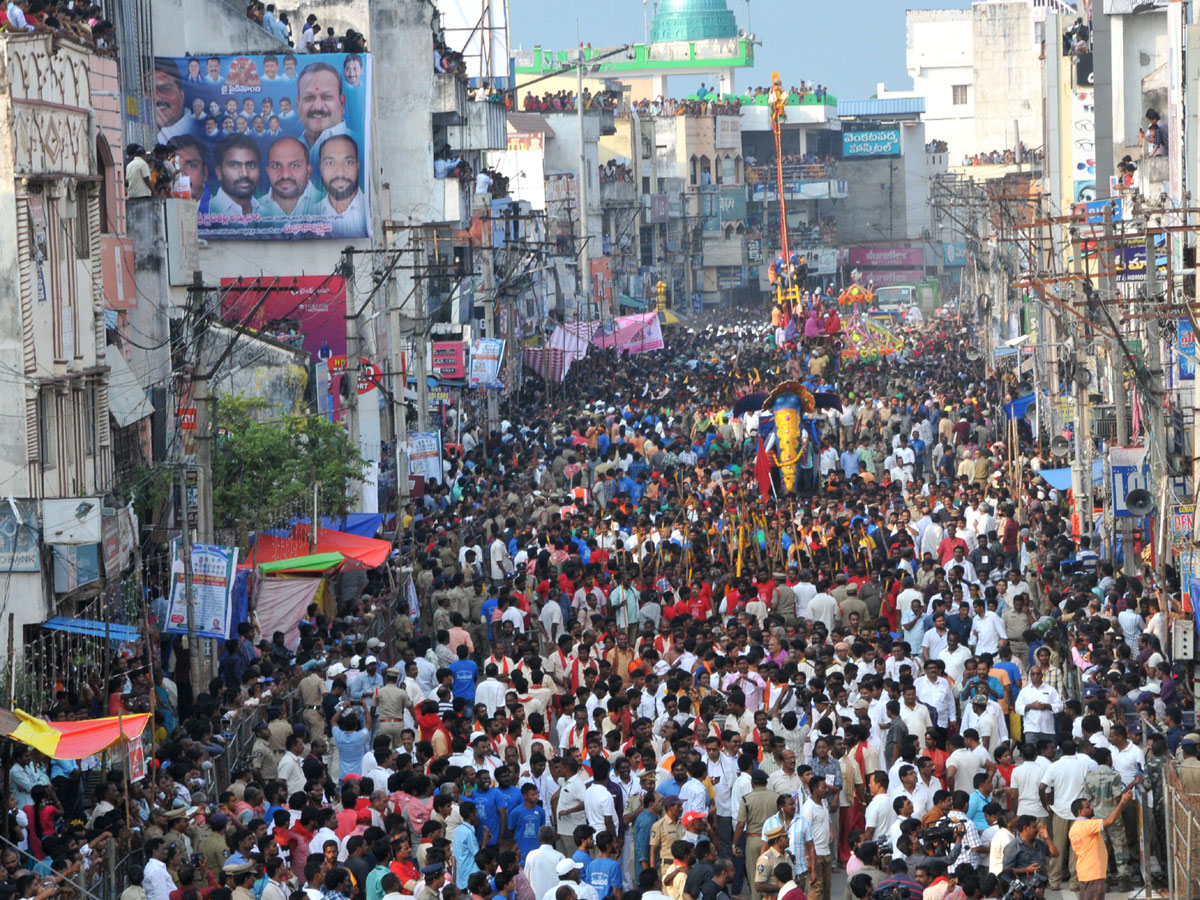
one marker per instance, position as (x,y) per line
(1029,853)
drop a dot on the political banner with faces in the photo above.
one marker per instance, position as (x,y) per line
(274,146)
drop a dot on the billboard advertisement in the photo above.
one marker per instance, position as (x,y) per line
(887,257)
(274,147)
(307,312)
(1186,350)
(214,570)
(878,142)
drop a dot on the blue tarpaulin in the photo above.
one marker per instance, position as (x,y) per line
(357,524)
(118,633)
(1060,479)
(1019,407)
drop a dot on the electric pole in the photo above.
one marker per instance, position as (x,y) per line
(349,386)
(489,306)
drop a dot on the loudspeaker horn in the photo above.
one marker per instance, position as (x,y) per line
(1024,388)
(973,354)
(1139,502)
(1060,446)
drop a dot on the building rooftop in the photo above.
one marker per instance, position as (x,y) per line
(692,20)
(899,106)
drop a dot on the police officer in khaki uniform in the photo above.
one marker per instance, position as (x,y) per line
(756,807)
(391,703)
(774,852)
(665,832)
(312,691)
(1189,769)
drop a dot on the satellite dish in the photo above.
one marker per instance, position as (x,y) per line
(1139,502)
(1060,446)
(973,354)
(1024,388)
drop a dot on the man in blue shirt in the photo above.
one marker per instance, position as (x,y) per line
(526,821)
(509,791)
(492,807)
(849,463)
(486,610)
(465,671)
(465,844)
(604,873)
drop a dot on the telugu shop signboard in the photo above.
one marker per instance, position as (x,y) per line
(878,142)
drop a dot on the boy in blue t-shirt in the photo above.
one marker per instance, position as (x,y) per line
(526,821)
(465,671)
(604,873)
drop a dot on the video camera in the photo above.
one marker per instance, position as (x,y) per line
(1027,888)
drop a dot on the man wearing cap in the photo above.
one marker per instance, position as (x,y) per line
(369,680)
(435,880)
(214,848)
(568,872)
(665,832)
(1189,768)
(774,852)
(312,691)
(752,814)
(394,709)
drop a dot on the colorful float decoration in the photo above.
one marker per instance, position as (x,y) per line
(856,293)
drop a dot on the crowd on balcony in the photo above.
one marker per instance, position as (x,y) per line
(937,147)
(807,165)
(613,171)
(705,106)
(803,90)
(564,101)
(311,38)
(78,21)
(1076,40)
(1004,157)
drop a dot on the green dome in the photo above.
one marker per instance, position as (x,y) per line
(692,20)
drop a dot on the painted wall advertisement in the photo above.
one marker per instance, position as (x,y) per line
(425,455)
(214,569)
(486,355)
(307,312)
(878,142)
(274,148)
(887,257)
(1186,347)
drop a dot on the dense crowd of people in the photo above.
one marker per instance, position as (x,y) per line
(78,21)
(644,663)
(1020,154)
(818,91)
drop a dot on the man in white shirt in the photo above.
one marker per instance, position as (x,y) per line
(987,630)
(1027,780)
(1038,704)
(598,804)
(879,814)
(1062,785)
(540,864)
(1128,758)
(817,816)
(805,591)
(156,880)
(290,769)
(935,691)
(569,808)
(966,762)
(490,692)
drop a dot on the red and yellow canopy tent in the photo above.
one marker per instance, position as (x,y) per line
(71,740)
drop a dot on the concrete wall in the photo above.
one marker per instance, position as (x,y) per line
(562,154)
(183,27)
(258,368)
(1139,47)
(1008,76)
(875,209)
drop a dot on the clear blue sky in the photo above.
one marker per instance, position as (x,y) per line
(847,45)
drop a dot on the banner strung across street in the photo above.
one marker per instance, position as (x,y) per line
(213,572)
(273,147)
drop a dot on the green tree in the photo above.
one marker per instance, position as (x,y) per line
(260,467)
